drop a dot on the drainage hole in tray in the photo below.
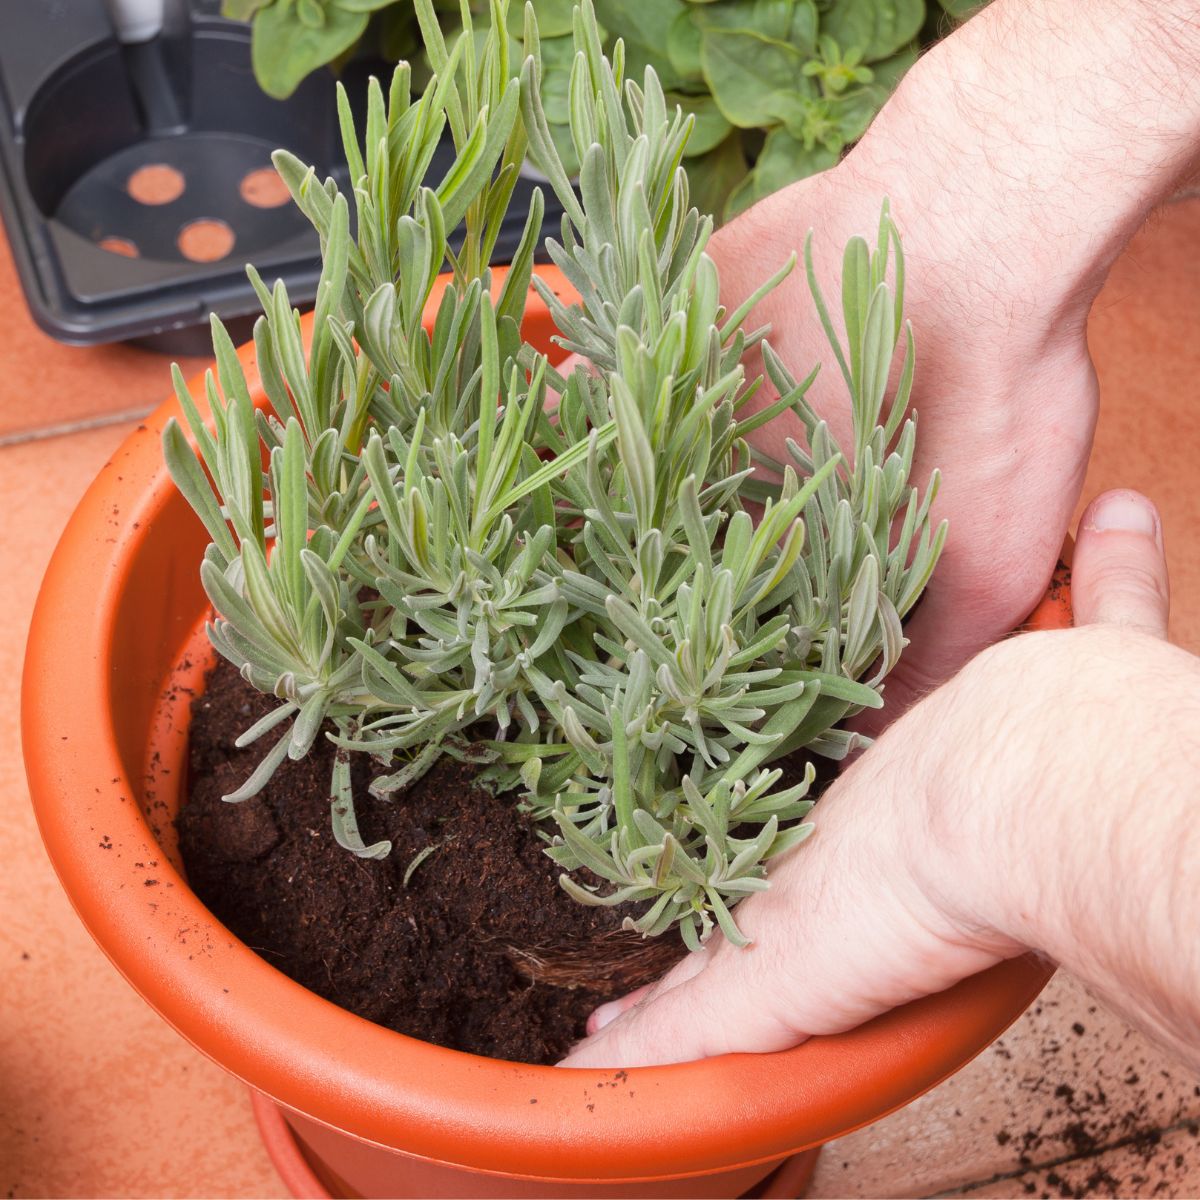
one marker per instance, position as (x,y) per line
(156,183)
(119,245)
(205,240)
(262,188)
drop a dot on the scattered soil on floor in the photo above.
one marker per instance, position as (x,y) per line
(1088,1143)
(433,958)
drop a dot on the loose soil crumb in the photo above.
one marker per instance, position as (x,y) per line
(430,958)
(1088,1144)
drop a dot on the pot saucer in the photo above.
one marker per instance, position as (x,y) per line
(787,1182)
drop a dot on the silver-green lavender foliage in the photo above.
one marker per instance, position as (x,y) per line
(455,549)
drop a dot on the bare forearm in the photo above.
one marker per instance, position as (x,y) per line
(1068,121)
(1093,857)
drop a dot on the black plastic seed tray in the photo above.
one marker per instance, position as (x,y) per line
(136,180)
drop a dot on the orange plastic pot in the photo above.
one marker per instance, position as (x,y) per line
(116,638)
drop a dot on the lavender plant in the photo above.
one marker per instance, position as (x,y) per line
(456,549)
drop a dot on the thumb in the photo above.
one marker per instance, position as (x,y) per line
(1119,573)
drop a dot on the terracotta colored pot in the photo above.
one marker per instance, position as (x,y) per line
(116,638)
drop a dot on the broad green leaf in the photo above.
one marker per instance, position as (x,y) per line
(554,18)
(960,10)
(710,129)
(284,50)
(556,88)
(756,81)
(856,108)
(645,28)
(879,28)
(366,6)
(791,21)
(310,12)
(683,47)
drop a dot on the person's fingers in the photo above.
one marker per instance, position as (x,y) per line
(706,1005)
(683,970)
(606,1014)
(1119,572)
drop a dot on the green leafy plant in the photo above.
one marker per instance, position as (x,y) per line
(293,38)
(434,542)
(778,88)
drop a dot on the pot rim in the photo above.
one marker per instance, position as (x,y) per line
(320,1060)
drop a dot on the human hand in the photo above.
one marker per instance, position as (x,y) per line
(981,823)
(1019,156)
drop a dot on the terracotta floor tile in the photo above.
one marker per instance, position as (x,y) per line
(1068,1077)
(1167,1165)
(46,384)
(98,1097)
(1145,339)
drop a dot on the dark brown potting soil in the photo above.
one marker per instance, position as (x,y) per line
(446,956)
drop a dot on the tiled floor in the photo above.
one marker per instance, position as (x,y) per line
(99,1098)
(48,387)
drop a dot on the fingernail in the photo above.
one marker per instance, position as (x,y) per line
(605,1014)
(1123,512)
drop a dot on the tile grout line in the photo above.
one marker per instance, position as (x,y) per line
(1130,1139)
(66,428)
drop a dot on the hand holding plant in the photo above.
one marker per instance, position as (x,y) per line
(1009,241)
(979,825)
